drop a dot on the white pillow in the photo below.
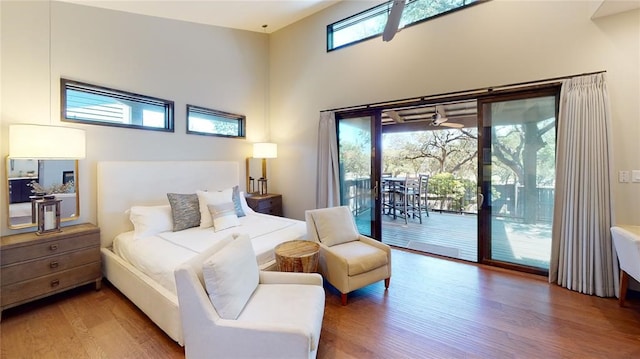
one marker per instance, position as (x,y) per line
(335,225)
(224,216)
(243,203)
(214,197)
(150,220)
(230,276)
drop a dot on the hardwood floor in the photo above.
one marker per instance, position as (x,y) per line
(434,308)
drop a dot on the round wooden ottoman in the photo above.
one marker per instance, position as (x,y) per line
(297,256)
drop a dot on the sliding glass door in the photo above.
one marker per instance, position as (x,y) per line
(516,142)
(517,171)
(358,136)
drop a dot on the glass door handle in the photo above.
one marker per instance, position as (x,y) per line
(375,191)
(480,197)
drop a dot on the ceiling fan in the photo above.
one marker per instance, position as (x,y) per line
(395,116)
(436,120)
(393,21)
(439,119)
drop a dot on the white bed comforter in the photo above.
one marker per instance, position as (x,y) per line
(157,256)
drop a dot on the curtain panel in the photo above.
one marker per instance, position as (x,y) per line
(328,185)
(582,255)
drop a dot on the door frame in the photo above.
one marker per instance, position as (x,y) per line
(375,116)
(484,136)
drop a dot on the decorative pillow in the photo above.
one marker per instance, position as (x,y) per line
(196,261)
(237,202)
(185,210)
(230,276)
(223,215)
(243,204)
(150,220)
(214,197)
(335,225)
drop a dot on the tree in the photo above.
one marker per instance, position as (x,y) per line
(517,147)
(355,157)
(437,151)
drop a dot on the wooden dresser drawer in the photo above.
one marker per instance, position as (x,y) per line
(49,284)
(47,245)
(266,203)
(33,266)
(269,203)
(47,265)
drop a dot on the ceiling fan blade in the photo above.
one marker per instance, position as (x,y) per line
(393,21)
(395,116)
(452,125)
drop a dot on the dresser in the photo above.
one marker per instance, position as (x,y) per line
(33,267)
(266,203)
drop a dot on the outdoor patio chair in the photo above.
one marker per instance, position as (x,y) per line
(417,197)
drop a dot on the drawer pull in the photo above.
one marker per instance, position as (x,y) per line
(53,264)
(53,247)
(55,283)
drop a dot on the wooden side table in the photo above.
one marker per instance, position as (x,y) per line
(266,203)
(297,256)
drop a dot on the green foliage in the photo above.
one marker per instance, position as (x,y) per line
(431,152)
(449,190)
(354,151)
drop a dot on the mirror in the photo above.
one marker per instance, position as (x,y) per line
(25,177)
(256,169)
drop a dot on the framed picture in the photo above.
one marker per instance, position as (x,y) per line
(67,176)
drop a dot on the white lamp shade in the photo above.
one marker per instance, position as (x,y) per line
(46,142)
(265,150)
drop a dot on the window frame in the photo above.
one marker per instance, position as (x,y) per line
(241,119)
(385,7)
(66,84)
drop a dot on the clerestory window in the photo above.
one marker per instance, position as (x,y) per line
(204,121)
(370,23)
(91,104)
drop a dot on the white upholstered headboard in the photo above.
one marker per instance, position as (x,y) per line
(122,184)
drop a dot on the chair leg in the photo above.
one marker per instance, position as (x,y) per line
(343,298)
(624,282)
(386,283)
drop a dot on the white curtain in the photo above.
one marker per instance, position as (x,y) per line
(582,255)
(328,186)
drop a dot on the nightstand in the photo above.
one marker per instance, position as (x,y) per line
(34,267)
(266,203)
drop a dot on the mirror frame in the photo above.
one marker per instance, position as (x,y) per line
(248,173)
(8,199)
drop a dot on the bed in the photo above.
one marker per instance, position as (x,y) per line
(147,279)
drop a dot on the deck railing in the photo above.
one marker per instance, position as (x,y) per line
(509,200)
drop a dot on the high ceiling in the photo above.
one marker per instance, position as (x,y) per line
(237,14)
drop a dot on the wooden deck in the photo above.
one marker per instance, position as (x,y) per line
(456,236)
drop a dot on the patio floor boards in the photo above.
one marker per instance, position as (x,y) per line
(450,235)
(455,236)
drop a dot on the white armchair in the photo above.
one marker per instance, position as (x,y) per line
(626,241)
(281,317)
(348,260)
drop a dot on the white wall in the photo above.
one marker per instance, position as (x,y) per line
(496,43)
(202,65)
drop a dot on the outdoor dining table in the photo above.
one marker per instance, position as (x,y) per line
(392,187)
